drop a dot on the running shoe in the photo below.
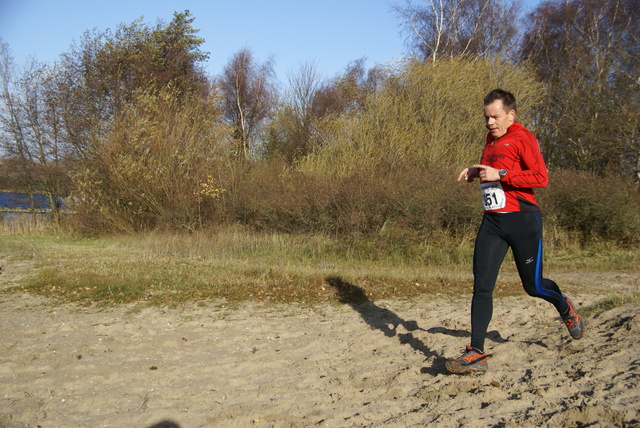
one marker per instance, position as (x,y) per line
(573,321)
(471,361)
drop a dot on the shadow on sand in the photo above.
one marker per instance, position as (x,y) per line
(388,321)
(165,424)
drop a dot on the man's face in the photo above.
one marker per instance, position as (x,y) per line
(497,119)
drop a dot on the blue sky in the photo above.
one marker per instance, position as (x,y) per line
(327,33)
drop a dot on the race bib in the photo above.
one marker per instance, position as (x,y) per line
(493,197)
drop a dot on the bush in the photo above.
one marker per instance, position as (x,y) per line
(410,204)
(158,167)
(593,207)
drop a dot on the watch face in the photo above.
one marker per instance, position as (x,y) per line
(502,173)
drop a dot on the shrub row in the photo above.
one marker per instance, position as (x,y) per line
(412,204)
(405,206)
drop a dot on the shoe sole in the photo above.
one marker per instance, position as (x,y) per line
(455,368)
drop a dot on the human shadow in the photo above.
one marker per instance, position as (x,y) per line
(493,335)
(388,321)
(165,424)
(379,318)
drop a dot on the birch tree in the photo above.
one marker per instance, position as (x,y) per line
(437,28)
(249,97)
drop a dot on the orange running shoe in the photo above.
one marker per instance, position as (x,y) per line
(471,361)
(573,321)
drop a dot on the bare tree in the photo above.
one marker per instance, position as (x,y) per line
(29,129)
(587,54)
(249,96)
(460,27)
(295,130)
(347,91)
(290,129)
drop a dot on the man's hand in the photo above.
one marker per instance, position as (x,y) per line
(488,173)
(468,174)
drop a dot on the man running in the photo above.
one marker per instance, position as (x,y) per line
(510,167)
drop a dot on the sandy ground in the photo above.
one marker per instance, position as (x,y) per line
(357,364)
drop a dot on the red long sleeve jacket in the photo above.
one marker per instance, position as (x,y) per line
(518,152)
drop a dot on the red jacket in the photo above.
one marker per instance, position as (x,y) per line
(518,152)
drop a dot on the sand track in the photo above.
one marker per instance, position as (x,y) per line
(368,364)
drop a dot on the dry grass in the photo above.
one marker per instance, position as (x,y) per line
(235,265)
(25,224)
(610,303)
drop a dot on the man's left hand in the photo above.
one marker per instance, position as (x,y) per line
(488,173)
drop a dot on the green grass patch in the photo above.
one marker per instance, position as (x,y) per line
(237,265)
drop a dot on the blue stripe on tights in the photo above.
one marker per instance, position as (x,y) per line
(539,271)
(539,287)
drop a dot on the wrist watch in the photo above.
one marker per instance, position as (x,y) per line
(502,173)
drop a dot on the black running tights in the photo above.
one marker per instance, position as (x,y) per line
(522,231)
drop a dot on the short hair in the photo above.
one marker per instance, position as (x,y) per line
(507,98)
